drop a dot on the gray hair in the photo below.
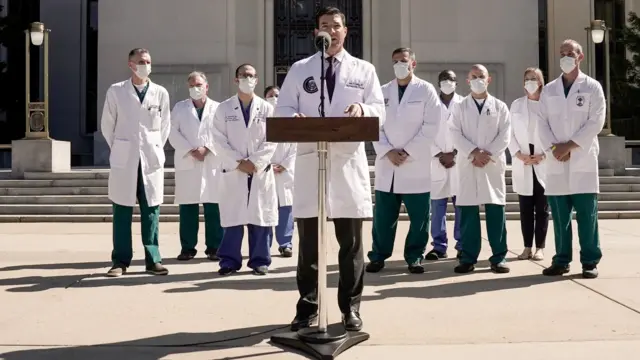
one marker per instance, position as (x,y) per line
(572,43)
(137,51)
(195,74)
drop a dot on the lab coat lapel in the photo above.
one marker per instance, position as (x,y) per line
(575,88)
(408,90)
(344,75)
(237,108)
(152,90)
(317,76)
(393,94)
(131,88)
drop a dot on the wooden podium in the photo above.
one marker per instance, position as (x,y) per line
(323,341)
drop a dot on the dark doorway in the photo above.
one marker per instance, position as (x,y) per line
(19,14)
(294,22)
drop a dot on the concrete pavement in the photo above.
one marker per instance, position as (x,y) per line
(56,303)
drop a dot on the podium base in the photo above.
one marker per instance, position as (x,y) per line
(321,345)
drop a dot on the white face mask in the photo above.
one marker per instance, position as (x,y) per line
(143,71)
(567,64)
(196,92)
(401,70)
(272,100)
(531,86)
(447,87)
(478,86)
(246,85)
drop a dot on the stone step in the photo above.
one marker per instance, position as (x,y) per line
(629,189)
(13,218)
(100,197)
(171,209)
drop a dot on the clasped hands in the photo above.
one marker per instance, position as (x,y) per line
(246,166)
(447,159)
(530,159)
(562,151)
(480,158)
(397,157)
(199,153)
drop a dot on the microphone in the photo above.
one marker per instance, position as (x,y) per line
(322,41)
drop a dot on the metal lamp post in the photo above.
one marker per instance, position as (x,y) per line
(599,33)
(37,112)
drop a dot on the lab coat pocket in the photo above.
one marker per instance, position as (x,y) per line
(119,156)
(584,160)
(186,162)
(555,167)
(438,171)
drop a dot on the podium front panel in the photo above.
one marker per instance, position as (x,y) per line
(318,129)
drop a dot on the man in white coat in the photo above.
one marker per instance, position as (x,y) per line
(353,89)
(284,160)
(573,111)
(481,131)
(443,173)
(403,163)
(196,168)
(136,122)
(248,195)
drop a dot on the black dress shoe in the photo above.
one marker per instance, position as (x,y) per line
(374,266)
(434,255)
(187,255)
(224,271)
(212,254)
(464,268)
(352,321)
(301,322)
(555,270)
(500,268)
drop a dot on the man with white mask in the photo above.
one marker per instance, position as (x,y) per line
(481,131)
(283,162)
(248,195)
(196,168)
(403,153)
(572,114)
(352,89)
(443,173)
(136,122)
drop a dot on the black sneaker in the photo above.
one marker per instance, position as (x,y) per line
(434,255)
(589,271)
(374,266)
(225,271)
(187,255)
(157,269)
(212,254)
(261,270)
(555,270)
(286,252)
(464,268)
(500,268)
(416,268)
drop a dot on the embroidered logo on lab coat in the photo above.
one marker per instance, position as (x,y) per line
(309,85)
(580,101)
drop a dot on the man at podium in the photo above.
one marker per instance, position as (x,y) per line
(352,89)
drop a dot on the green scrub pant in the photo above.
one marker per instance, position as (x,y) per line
(471,233)
(149,222)
(385,224)
(586,206)
(190,224)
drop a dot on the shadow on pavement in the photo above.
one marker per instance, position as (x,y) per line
(160,347)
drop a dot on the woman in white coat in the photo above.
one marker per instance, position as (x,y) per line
(527,166)
(196,168)
(283,162)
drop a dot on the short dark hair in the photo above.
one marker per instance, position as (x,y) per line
(240,68)
(445,75)
(402,50)
(269,88)
(330,10)
(137,51)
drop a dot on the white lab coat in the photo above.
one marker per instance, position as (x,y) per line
(580,117)
(523,112)
(412,125)
(285,155)
(489,131)
(235,141)
(196,181)
(136,133)
(348,179)
(443,180)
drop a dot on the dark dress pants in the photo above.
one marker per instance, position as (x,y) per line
(350,260)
